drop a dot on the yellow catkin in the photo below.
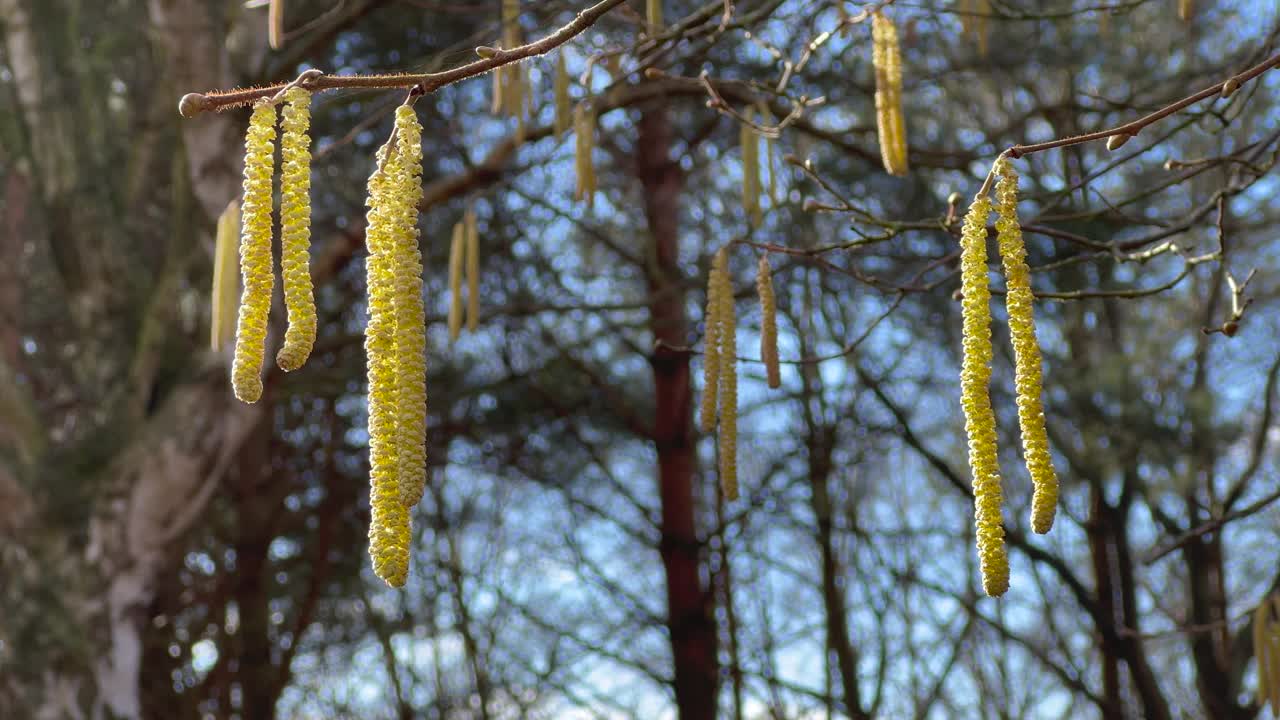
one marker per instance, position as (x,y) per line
(473,269)
(564,113)
(455,280)
(255,254)
(891,126)
(653,14)
(1026,350)
(979,419)
(750,173)
(584,127)
(727,334)
(223,300)
(768,322)
(295,230)
(1186,9)
(389,529)
(711,348)
(410,338)
(495,105)
(1261,650)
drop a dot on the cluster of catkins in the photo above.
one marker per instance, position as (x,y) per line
(720,358)
(975,376)
(256,262)
(395,338)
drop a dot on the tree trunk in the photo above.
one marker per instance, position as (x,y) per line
(690,605)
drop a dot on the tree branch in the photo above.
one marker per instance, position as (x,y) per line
(193,104)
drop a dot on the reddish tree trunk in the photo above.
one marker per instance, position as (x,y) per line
(690,618)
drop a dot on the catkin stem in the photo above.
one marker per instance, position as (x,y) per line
(768,322)
(295,231)
(1026,350)
(975,379)
(255,254)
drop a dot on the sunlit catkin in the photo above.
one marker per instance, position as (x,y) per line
(455,280)
(1186,9)
(223,298)
(768,322)
(891,126)
(750,143)
(711,348)
(1026,350)
(564,113)
(410,338)
(295,230)
(728,337)
(584,128)
(473,269)
(255,254)
(979,419)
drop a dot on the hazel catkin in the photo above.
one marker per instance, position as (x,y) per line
(727,334)
(472,232)
(255,254)
(711,348)
(410,334)
(975,378)
(768,322)
(455,280)
(750,143)
(584,128)
(295,230)
(223,297)
(886,58)
(1026,350)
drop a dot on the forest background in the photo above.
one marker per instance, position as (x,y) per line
(169,552)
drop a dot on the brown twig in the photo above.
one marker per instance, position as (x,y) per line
(193,104)
(1131,129)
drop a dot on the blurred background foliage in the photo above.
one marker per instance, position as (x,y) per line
(168,552)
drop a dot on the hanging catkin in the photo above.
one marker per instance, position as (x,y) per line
(223,300)
(1262,632)
(750,143)
(564,113)
(728,337)
(473,269)
(891,126)
(1186,8)
(768,322)
(255,254)
(1026,350)
(455,280)
(711,348)
(389,198)
(653,14)
(410,338)
(584,128)
(979,419)
(295,230)
(275,24)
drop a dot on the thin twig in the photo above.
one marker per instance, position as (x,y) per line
(193,104)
